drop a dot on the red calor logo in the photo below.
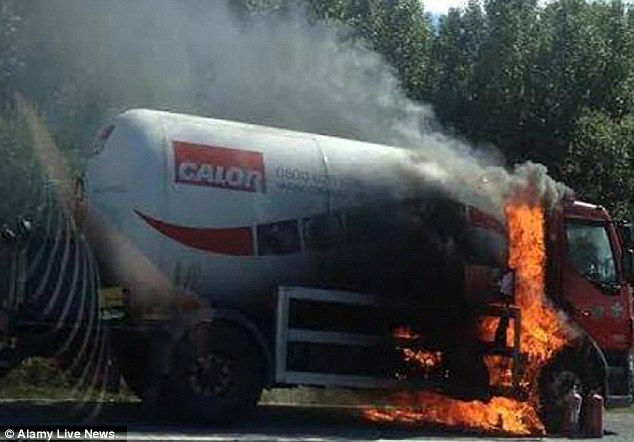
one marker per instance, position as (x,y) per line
(213,166)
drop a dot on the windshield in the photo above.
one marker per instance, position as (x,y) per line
(590,252)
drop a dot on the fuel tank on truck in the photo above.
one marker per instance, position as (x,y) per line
(229,211)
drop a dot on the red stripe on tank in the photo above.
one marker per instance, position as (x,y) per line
(237,241)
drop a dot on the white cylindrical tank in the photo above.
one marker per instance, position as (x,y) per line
(229,211)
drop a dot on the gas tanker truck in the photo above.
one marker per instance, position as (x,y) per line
(241,257)
(294,255)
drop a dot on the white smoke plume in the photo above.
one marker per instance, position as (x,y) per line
(277,70)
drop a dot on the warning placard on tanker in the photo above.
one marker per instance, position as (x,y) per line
(214,166)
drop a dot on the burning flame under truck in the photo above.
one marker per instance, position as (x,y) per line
(249,257)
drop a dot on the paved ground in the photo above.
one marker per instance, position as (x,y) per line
(272,423)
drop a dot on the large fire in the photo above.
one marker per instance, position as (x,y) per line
(543,333)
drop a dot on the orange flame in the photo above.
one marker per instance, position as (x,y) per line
(404,332)
(500,414)
(426,359)
(543,333)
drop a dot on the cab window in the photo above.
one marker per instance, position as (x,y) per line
(590,252)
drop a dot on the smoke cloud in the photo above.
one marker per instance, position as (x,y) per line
(277,70)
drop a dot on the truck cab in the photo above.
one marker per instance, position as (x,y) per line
(590,275)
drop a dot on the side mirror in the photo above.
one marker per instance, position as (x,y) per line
(628,265)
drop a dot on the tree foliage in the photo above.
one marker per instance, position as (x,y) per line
(600,160)
(552,83)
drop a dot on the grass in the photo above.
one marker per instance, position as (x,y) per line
(628,410)
(39,378)
(323,396)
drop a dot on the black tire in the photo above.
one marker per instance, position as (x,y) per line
(131,355)
(10,360)
(556,380)
(4,371)
(215,376)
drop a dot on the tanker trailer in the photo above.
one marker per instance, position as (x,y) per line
(251,257)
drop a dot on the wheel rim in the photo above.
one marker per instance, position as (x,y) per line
(210,375)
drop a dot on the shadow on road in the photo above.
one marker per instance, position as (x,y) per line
(274,421)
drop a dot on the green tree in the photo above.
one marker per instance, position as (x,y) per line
(500,108)
(583,62)
(398,29)
(600,161)
(21,179)
(10,57)
(552,83)
(405,39)
(456,52)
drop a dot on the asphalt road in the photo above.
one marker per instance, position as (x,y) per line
(271,423)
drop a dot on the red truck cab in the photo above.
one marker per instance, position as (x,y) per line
(590,275)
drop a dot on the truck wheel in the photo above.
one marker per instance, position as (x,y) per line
(4,371)
(132,358)
(556,380)
(216,375)
(135,354)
